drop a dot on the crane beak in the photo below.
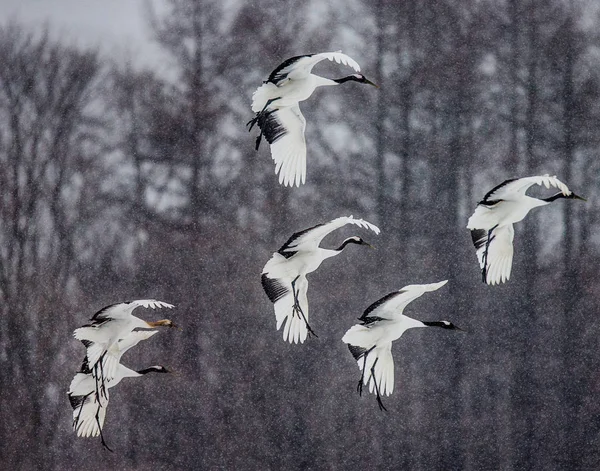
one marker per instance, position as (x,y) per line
(577,197)
(371,83)
(368,245)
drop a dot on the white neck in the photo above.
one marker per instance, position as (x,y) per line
(324,82)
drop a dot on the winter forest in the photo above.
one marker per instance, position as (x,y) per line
(119,183)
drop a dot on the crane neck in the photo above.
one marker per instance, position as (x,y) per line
(350,240)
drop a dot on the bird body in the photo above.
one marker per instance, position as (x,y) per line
(284,275)
(492,222)
(370,342)
(279,117)
(89,405)
(112,323)
(289,93)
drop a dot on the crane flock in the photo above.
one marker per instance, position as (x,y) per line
(113,330)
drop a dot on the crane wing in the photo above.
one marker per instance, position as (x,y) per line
(495,256)
(392,305)
(284,131)
(309,239)
(279,291)
(299,67)
(151,303)
(507,189)
(88,414)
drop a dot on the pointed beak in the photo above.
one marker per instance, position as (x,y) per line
(371,83)
(461,330)
(577,197)
(369,245)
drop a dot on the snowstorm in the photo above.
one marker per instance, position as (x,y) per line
(129,178)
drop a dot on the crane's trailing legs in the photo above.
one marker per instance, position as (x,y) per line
(100,428)
(379,402)
(362,375)
(100,391)
(485,254)
(298,310)
(76,421)
(257,119)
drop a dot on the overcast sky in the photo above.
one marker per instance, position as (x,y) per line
(118,27)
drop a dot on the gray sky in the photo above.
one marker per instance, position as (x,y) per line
(117,26)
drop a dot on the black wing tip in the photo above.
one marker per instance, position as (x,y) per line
(486,199)
(274,288)
(99,315)
(270,127)
(356,351)
(275,77)
(75,401)
(293,237)
(379,302)
(479,237)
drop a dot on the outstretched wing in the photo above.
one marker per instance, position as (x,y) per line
(495,256)
(151,303)
(88,414)
(299,67)
(507,189)
(375,359)
(392,305)
(281,295)
(309,239)
(284,131)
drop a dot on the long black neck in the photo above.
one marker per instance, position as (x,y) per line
(150,369)
(434,324)
(346,242)
(349,78)
(558,195)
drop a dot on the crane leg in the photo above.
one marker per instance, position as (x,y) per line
(254,120)
(362,375)
(100,428)
(485,254)
(76,421)
(298,310)
(257,119)
(102,389)
(379,402)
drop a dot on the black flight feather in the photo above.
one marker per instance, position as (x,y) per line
(277,75)
(378,303)
(486,199)
(292,239)
(274,288)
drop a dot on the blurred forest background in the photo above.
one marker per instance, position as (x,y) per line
(118,183)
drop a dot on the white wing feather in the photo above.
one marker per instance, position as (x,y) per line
(301,69)
(289,150)
(310,240)
(500,255)
(508,191)
(152,303)
(397,302)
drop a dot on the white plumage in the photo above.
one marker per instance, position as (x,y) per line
(284,275)
(88,403)
(279,117)
(370,342)
(492,222)
(111,324)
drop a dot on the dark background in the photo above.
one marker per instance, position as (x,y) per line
(118,183)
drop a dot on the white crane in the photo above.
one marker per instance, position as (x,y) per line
(109,325)
(370,342)
(279,117)
(492,222)
(89,405)
(284,275)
